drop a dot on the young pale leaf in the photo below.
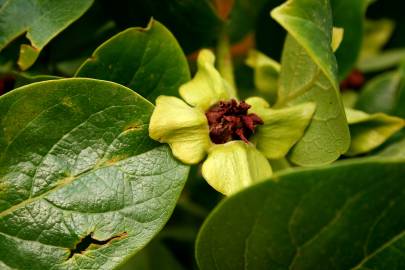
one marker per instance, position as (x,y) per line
(82,185)
(346,216)
(266,73)
(384,60)
(309,73)
(396,149)
(148,60)
(376,35)
(370,131)
(40,20)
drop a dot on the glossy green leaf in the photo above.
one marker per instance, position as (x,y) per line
(82,185)
(147,60)
(309,73)
(384,93)
(243,17)
(349,15)
(40,20)
(154,257)
(345,216)
(370,131)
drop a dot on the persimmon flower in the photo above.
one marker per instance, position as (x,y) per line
(237,137)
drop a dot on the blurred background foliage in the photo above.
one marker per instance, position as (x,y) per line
(370,66)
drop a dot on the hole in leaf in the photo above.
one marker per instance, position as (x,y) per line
(88,240)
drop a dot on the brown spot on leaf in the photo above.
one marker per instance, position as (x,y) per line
(114,160)
(133,127)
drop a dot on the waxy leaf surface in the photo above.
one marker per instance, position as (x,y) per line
(344,216)
(40,20)
(309,73)
(148,60)
(81,183)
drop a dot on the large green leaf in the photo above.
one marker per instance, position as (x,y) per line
(243,17)
(309,73)
(82,185)
(40,20)
(346,216)
(147,60)
(349,15)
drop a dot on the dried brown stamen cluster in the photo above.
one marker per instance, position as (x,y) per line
(229,120)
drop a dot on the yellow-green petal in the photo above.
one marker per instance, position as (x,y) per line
(184,128)
(235,165)
(369,131)
(337,37)
(282,128)
(207,87)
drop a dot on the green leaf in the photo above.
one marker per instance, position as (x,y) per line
(384,93)
(396,149)
(147,60)
(385,60)
(243,17)
(345,216)
(146,259)
(370,131)
(309,73)
(40,20)
(82,185)
(349,15)
(376,35)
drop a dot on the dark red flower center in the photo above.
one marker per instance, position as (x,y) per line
(229,120)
